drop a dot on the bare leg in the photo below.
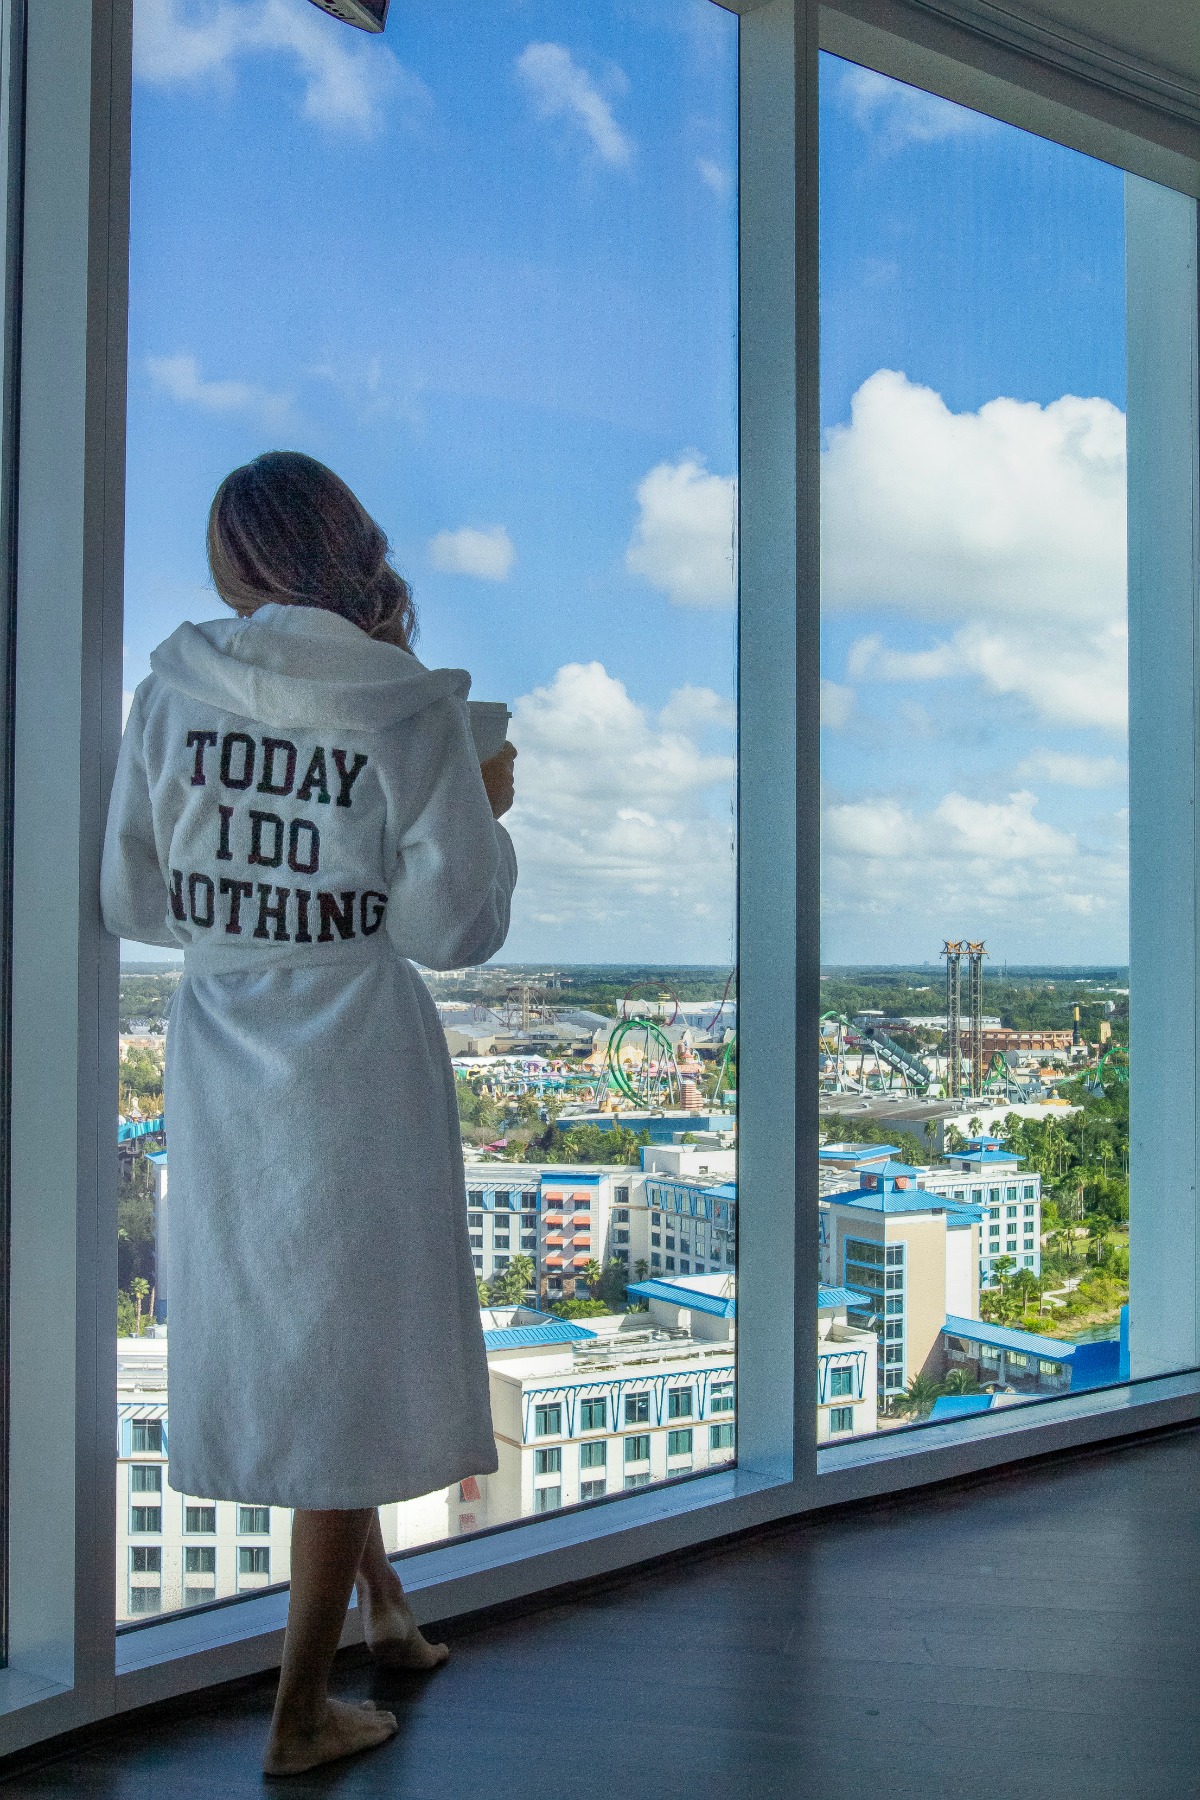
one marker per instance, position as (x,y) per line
(393,1635)
(308,1727)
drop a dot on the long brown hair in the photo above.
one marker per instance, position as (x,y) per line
(286,528)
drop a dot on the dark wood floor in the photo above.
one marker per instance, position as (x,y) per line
(1032,1636)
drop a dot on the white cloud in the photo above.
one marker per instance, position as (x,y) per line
(488,554)
(560,88)
(623,826)
(684,541)
(348,82)
(714,175)
(837,705)
(1070,770)
(965,864)
(1008,523)
(897,115)
(180,377)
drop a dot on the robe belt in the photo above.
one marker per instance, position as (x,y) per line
(208,958)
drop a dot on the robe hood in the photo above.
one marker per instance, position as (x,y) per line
(301,666)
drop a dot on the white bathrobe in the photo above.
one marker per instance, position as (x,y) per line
(300,809)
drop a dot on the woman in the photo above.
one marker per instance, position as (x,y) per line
(298,805)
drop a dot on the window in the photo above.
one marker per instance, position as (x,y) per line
(637,1409)
(252,1561)
(254,1520)
(547,1421)
(546,1499)
(594,1455)
(622,1237)
(145,1478)
(200,1559)
(144,1600)
(145,1518)
(720,1437)
(679,1443)
(547,1462)
(656,1237)
(475,1221)
(637,1481)
(841,1381)
(679,1403)
(721,1397)
(145,1559)
(621,1216)
(592,1490)
(637,1449)
(200,1518)
(593,1414)
(146,1437)
(1010,1193)
(841,1418)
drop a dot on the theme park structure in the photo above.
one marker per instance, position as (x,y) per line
(640,1061)
(846,1045)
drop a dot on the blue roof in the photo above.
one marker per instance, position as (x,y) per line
(892,1169)
(839,1296)
(677,1293)
(525,1337)
(891,1199)
(858,1152)
(959,1406)
(987,1158)
(1002,1337)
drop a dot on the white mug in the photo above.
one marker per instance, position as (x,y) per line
(489,727)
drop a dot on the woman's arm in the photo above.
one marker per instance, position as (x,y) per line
(133,889)
(449,902)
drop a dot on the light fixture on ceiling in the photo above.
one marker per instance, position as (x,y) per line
(368,15)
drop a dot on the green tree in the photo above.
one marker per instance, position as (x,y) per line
(591,1272)
(139,1288)
(510,1284)
(641,1269)
(611,1285)
(960,1381)
(919,1396)
(481,1288)
(1002,1268)
(126,1315)
(580,1309)
(1027,1287)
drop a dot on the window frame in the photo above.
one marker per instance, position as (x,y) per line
(66,1666)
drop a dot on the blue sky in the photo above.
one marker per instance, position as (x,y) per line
(485,267)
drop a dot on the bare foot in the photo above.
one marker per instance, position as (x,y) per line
(394,1637)
(342,1730)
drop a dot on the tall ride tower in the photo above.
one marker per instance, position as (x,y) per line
(953,955)
(975,956)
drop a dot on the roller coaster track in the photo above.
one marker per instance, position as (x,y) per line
(886,1049)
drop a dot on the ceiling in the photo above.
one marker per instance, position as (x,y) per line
(1164,33)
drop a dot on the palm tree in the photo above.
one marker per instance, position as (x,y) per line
(1002,1268)
(641,1269)
(1027,1285)
(139,1287)
(510,1285)
(592,1272)
(960,1381)
(920,1394)
(481,1288)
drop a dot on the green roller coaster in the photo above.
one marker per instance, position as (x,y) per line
(650,1078)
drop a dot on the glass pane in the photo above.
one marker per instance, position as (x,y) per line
(484,267)
(974,1072)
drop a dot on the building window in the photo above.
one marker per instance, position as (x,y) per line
(679,1403)
(656,1238)
(200,1559)
(894,1353)
(547,1462)
(622,1237)
(895,1305)
(547,1421)
(592,1490)
(1028,1191)
(1028,1211)
(637,1449)
(476,1244)
(252,1561)
(841,1381)
(1028,1262)
(594,1455)
(895,1256)
(679,1443)
(593,1415)
(145,1559)
(721,1397)
(637,1481)
(1010,1193)
(720,1437)
(894,1328)
(145,1518)
(503,1243)
(529,1221)
(841,1418)
(547,1499)
(145,1478)
(621,1216)
(200,1518)
(1010,1212)
(254,1521)
(147,1437)
(637,1409)
(145,1599)
(475,1221)
(529,1243)
(478,1262)
(655,1260)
